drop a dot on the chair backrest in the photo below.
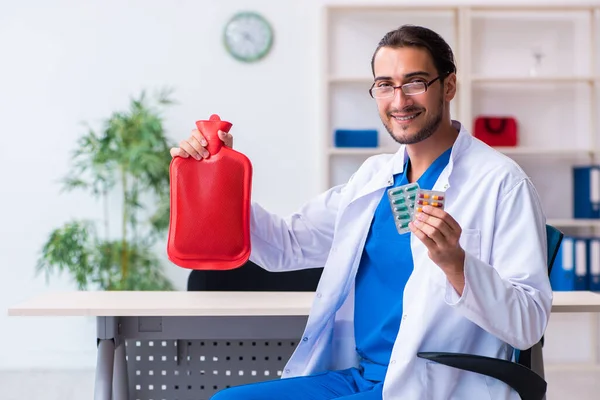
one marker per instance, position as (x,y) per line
(554,238)
(250,277)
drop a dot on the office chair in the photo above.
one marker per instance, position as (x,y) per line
(252,278)
(525,381)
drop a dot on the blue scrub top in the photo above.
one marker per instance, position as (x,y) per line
(385,267)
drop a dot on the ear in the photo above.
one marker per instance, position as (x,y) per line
(450,87)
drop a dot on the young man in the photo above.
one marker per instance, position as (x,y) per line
(471,278)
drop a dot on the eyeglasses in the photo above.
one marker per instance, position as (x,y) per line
(409,89)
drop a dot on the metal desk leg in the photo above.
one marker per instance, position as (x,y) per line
(120,381)
(537,360)
(104,369)
(109,338)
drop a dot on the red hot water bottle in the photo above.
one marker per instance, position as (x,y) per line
(209,225)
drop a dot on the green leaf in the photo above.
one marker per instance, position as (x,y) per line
(70,249)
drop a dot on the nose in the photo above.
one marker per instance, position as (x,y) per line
(401,100)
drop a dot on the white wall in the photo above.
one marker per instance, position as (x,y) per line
(63,62)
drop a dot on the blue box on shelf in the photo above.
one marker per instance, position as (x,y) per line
(356,138)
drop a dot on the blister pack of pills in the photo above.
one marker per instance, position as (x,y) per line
(429,198)
(407,200)
(402,200)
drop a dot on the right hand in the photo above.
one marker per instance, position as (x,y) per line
(195,145)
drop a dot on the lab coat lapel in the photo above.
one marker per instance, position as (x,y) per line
(384,177)
(463,141)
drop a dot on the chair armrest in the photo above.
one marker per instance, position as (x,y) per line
(524,381)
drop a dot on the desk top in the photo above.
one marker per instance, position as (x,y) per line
(165,304)
(580,301)
(84,303)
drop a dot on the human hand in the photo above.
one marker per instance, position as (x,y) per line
(440,233)
(195,145)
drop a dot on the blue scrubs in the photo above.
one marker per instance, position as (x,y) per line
(339,385)
(385,267)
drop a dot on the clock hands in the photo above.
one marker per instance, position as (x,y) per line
(247,37)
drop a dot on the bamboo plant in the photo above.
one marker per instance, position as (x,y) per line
(128,157)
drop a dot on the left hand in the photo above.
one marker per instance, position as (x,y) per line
(440,233)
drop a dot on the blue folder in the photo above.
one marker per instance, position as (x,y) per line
(581,264)
(562,276)
(594,264)
(586,192)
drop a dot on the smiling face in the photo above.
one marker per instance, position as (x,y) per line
(413,118)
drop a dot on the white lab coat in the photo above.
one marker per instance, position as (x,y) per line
(507,297)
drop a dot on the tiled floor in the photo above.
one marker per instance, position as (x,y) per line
(53,385)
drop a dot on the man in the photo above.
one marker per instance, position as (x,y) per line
(470,278)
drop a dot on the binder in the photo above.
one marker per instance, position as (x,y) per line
(581,264)
(594,264)
(562,275)
(586,192)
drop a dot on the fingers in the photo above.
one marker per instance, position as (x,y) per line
(418,232)
(433,234)
(434,227)
(196,141)
(177,152)
(227,138)
(438,227)
(186,146)
(199,137)
(442,215)
(195,145)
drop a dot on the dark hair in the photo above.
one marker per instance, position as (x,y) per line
(418,36)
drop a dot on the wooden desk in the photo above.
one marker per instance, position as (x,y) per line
(576,302)
(243,316)
(197,315)
(166,304)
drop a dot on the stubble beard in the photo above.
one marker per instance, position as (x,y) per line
(431,125)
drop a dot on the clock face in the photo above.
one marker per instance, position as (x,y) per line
(248,37)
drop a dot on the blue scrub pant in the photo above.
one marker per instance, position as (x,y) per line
(347,384)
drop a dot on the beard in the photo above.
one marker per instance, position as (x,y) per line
(431,125)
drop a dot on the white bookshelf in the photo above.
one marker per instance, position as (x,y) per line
(521,150)
(367,80)
(360,152)
(556,109)
(574,223)
(493,45)
(565,79)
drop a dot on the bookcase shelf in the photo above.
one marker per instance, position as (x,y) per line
(555,102)
(497,48)
(540,65)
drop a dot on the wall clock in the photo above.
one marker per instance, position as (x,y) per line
(248,36)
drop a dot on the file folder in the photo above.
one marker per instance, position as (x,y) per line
(562,276)
(586,192)
(581,264)
(594,264)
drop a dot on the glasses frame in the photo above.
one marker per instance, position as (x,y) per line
(407,85)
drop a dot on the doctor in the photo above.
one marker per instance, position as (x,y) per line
(471,278)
